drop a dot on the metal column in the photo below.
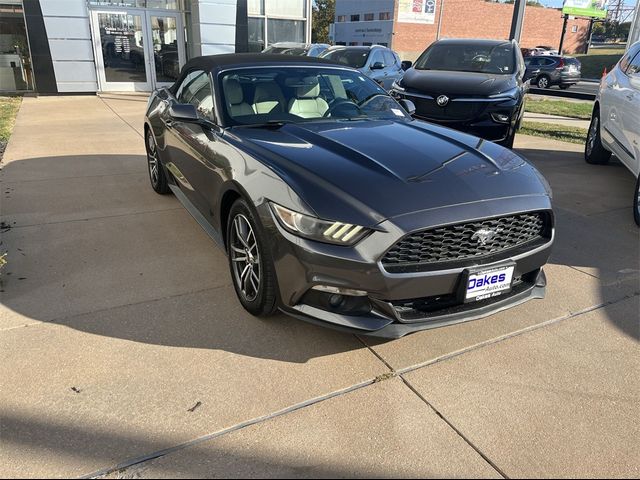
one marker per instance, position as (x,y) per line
(517,22)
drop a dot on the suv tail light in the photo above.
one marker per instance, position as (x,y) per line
(560,64)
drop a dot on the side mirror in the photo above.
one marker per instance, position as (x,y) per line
(408,105)
(377,66)
(184,111)
(406,64)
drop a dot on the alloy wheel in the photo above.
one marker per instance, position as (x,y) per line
(245,258)
(152,158)
(543,82)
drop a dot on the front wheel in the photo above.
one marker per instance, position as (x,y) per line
(594,151)
(250,262)
(157,176)
(636,203)
(543,82)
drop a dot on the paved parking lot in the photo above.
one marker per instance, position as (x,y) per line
(122,343)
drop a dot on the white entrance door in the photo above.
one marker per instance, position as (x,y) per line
(137,50)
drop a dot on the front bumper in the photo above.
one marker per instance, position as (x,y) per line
(474,116)
(396,299)
(569,78)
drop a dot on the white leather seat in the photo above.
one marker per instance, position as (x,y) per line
(308,103)
(268,98)
(235,98)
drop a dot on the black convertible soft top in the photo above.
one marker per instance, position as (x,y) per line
(209,63)
(212,62)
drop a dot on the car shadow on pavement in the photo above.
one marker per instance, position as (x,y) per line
(106,255)
(595,231)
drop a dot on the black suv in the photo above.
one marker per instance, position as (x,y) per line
(547,70)
(476,86)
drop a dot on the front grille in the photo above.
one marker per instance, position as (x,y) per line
(453,112)
(459,243)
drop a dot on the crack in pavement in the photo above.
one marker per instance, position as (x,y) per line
(491,463)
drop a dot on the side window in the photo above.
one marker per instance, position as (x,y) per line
(196,90)
(634,66)
(185,82)
(625,61)
(389,59)
(376,56)
(547,62)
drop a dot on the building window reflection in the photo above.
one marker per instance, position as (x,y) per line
(16,73)
(276,21)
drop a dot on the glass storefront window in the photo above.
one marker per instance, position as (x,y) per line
(256,34)
(286,8)
(156,4)
(256,7)
(15,61)
(121,37)
(285,30)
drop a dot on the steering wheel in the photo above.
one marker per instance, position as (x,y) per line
(344,104)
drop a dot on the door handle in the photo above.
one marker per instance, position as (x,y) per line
(631,96)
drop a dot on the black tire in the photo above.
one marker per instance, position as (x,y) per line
(157,176)
(261,299)
(594,151)
(543,81)
(636,203)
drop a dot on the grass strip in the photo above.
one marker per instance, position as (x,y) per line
(556,132)
(561,108)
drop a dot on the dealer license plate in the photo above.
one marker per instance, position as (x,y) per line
(487,283)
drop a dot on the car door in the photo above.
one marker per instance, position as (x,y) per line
(533,68)
(630,113)
(614,105)
(189,140)
(393,69)
(376,74)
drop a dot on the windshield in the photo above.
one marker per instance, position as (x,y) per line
(468,58)
(264,95)
(355,58)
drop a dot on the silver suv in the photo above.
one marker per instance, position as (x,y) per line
(615,122)
(377,62)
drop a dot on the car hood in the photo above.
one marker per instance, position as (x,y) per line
(437,82)
(367,171)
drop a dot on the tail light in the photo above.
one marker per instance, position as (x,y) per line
(560,64)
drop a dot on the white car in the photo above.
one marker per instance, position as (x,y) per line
(615,122)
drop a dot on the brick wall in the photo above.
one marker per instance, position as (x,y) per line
(481,19)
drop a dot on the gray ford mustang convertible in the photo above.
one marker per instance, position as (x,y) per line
(336,207)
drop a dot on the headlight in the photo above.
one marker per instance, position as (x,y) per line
(320,230)
(511,93)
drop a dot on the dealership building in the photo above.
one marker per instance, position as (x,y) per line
(74,46)
(409,26)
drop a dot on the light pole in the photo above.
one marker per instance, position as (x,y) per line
(518,20)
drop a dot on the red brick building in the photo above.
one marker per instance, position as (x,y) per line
(456,19)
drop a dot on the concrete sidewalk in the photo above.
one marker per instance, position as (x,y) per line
(556,120)
(123,351)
